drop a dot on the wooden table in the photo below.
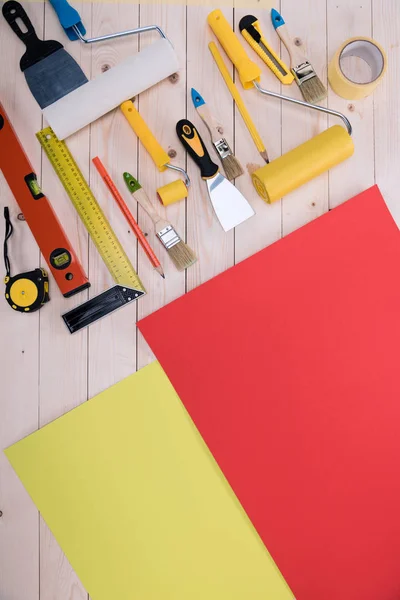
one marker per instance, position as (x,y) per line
(45,371)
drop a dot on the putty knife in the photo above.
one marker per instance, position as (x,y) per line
(50,72)
(229,205)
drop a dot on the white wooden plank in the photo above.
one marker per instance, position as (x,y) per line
(346,20)
(162,106)
(306,22)
(19,523)
(112,340)
(265,227)
(386,30)
(63,358)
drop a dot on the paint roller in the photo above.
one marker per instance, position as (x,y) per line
(174,191)
(303,163)
(99,96)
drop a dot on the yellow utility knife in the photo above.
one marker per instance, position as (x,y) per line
(251,31)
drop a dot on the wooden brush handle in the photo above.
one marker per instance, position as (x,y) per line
(214,127)
(144,201)
(296,57)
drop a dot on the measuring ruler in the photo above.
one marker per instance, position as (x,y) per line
(129,287)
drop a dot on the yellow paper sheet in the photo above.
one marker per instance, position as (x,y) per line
(138,504)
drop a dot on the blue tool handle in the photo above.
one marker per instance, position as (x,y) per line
(197,99)
(68,17)
(277,19)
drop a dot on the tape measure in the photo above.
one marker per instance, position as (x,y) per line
(28,291)
(129,287)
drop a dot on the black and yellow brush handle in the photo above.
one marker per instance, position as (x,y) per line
(192,142)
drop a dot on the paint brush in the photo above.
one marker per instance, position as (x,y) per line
(310,85)
(128,216)
(179,252)
(230,163)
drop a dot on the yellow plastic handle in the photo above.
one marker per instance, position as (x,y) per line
(248,70)
(140,127)
(286,77)
(237,97)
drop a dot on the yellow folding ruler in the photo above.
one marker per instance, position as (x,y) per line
(129,287)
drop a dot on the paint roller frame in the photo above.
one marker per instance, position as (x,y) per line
(112,36)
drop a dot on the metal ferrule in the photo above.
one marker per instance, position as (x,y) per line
(303,72)
(168,237)
(223,148)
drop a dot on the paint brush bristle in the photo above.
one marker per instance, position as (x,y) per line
(232,167)
(181,255)
(313,90)
(311,87)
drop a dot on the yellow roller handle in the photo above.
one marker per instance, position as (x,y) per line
(264,50)
(237,97)
(140,127)
(248,71)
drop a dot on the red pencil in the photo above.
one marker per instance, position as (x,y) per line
(128,215)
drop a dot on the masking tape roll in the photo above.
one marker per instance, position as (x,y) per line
(369,51)
(293,169)
(172,192)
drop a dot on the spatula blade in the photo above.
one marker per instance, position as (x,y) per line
(54,77)
(230,206)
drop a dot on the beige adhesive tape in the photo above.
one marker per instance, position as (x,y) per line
(371,53)
(172,192)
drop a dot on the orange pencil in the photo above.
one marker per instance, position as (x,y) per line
(128,216)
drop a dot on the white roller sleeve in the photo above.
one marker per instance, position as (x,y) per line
(107,91)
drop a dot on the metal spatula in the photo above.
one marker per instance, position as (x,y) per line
(50,72)
(230,206)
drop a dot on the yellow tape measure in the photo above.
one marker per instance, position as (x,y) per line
(89,211)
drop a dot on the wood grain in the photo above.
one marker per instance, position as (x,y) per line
(45,371)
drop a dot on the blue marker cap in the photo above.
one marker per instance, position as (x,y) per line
(197,99)
(277,19)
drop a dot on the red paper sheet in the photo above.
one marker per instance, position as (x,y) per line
(289,366)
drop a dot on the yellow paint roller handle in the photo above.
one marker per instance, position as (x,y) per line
(247,69)
(237,97)
(140,127)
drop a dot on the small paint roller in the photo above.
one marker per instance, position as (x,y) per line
(99,96)
(303,163)
(174,191)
